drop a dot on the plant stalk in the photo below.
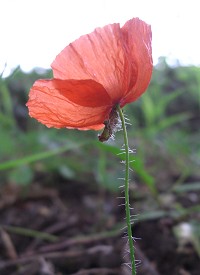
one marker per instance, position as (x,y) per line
(127,205)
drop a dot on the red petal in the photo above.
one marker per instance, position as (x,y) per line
(82,104)
(137,35)
(101,56)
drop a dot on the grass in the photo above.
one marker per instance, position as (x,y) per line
(164,131)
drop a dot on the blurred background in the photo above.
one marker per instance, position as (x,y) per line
(60,192)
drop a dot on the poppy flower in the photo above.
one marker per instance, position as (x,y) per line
(110,66)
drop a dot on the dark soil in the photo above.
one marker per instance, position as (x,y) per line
(84,224)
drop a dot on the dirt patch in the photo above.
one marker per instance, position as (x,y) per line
(83,236)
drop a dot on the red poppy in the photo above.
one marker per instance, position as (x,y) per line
(109,66)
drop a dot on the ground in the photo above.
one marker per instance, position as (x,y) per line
(84,233)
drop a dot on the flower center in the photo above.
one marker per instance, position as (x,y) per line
(112,125)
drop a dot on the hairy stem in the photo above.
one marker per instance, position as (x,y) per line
(127,205)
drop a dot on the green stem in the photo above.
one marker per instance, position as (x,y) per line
(127,205)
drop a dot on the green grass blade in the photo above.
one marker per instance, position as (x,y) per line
(39,156)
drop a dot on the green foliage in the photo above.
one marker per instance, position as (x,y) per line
(165,128)
(165,131)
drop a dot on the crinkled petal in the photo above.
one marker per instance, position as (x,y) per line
(137,35)
(81,104)
(102,56)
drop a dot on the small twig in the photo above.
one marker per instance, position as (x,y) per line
(47,256)
(8,244)
(81,240)
(69,255)
(59,226)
